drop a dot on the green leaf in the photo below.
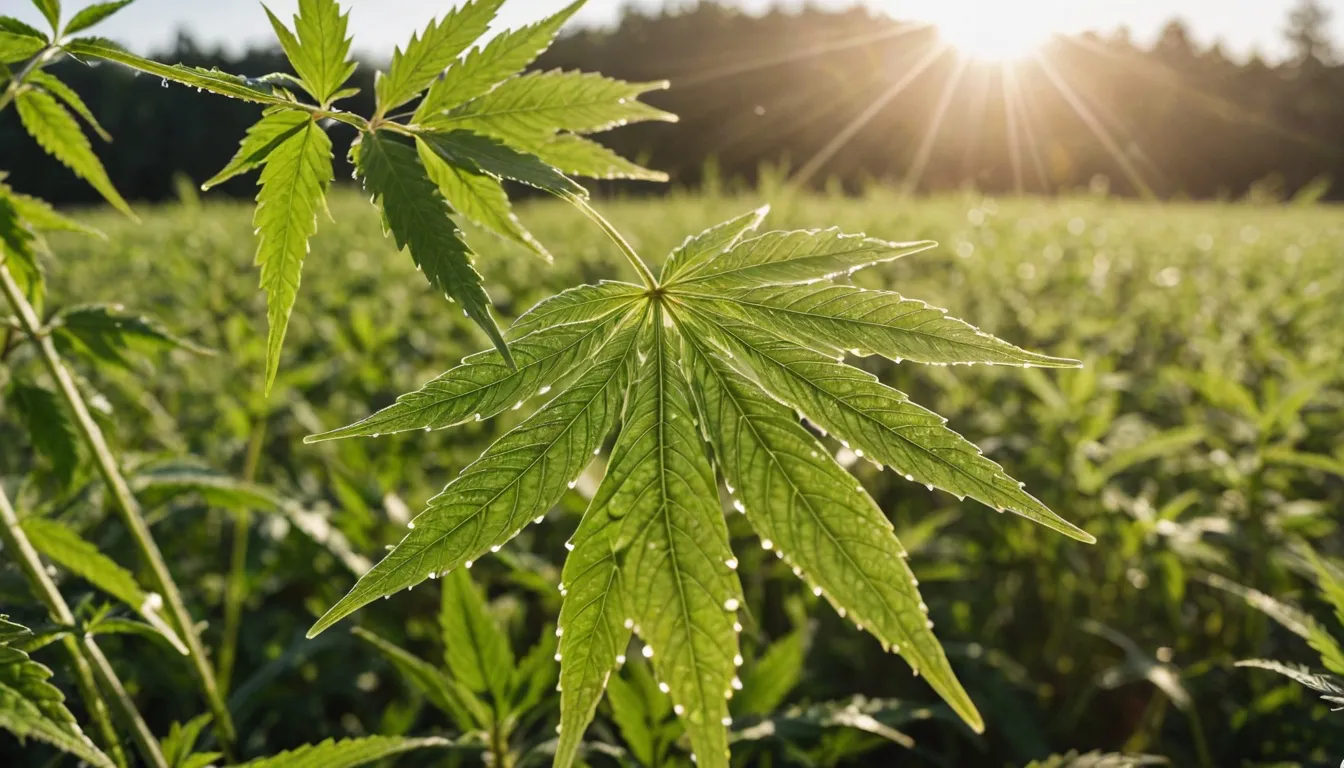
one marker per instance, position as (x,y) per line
(876,716)
(427,55)
(1330,686)
(211,80)
(820,520)
(535,674)
(16,246)
(1096,759)
(518,478)
(478,197)
(293,185)
(39,215)
(346,753)
(879,421)
(181,740)
(699,250)
(51,11)
(483,154)
(320,52)
(51,433)
(537,105)
(272,130)
(64,547)
(580,156)
(475,649)
(417,216)
(57,132)
(93,14)
(456,701)
(576,305)
(594,633)
(675,569)
(32,708)
(478,72)
(106,331)
(767,683)
(483,386)
(632,717)
(842,319)
(799,256)
(18,41)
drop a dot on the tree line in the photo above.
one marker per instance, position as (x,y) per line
(840,98)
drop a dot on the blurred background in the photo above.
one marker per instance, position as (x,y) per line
(1146,186)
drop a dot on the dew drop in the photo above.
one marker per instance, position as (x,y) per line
(411,525)
(740,507)
(468,563)
(557,657)
(620,658)
(539,518)
(737,683)
(680,710)
(648,652)
(629,623)
(664,688)
(816,591)
(726,720)
(737,660)
(767,544)
(559,631)
(569,546)
(730,604)
(573,483)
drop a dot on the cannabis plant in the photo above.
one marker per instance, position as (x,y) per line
(711,363)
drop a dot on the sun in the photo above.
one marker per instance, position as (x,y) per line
(989,31)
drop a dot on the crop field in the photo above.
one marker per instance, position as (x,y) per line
(1200,444)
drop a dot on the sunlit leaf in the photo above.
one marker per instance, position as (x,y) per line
(479,197)
(107,331)
(57,132)
(428,54)
(781,258)
(318,48)
(475,649)
(346,753)
(51,433)
(90,15)
(699,250)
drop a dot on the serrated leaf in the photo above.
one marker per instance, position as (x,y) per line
(51,433)
(482,68)
(876,716)
(576,305)
(293,183)
(580,156)
(57,132)
(417,216)
(1288,616)
(16,246)
(820,519)
(1332,687)
(181,740)
(782,258)
(483,154)
(478,197)
(475,649)
(93,14)
(673,541)
(698,250)
(32,708)
(847,320)
(211,80)
(37,214)
(537,105)
(346,753)
(1096,759)
(18,41)
(427,55)
(878,420)
(265,135)
(64,547)
(592,619)
(106,331)
(483,386)
(632,717)
(318,48)
(535,674)
(519,477)
(51,11)
(767,683)
(454,700)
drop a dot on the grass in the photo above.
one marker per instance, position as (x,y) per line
(1212,337)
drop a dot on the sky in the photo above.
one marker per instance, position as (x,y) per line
(1242,25)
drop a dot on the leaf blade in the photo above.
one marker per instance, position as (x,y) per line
(697,250)
(782,258)
(88,16)
(475,648)
(60,136)
(428,54)
(478,197)
(347,753)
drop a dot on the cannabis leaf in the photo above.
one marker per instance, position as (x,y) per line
(18,41)
(57,132)
(478,123)
(347,753)
(93,14)
(705,355)
(52,434)
(32,708)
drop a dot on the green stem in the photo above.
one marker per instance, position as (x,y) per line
(645,274)
(85,655)
(12,89)
(236,593)
(126,506)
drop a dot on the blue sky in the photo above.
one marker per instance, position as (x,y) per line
(379,24)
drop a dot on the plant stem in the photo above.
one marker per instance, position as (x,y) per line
(126,505)
(12,89)
(85,655)
(236,593)
(645,274)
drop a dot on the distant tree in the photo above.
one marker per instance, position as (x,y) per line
(1308,32)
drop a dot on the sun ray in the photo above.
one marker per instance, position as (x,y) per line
(1098,129)
(1010,97)
(931,135)
(810,168)
(1026,112)
(692,78)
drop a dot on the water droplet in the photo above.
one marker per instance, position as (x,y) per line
(557,657)
(740,507)
(731,563)
(648,652)
(620,658)
(629,623)
(730,604)
(737,683)
(816,591)
(737,660)
(569,546)
(726,720)
(539,518)
(468,564)
(411,525)
(664,687)
(679,710)
(495,548)
(559,631)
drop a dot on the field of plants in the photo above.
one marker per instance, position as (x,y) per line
(1199,444)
